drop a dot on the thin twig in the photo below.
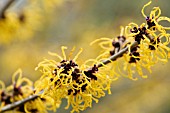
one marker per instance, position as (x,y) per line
(18,103)
(7,5)
(117,55)
(32,97)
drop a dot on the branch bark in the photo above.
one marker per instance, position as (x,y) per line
(7,5)
(18,103)
(117,55)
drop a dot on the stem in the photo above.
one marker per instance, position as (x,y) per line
(7,5)
(32,97)
(18,103)
(117,55)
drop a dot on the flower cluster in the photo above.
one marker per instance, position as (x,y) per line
(20,22)
(152,44)
(21,88)
(80,85)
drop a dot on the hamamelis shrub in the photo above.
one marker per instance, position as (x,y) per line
(80,83)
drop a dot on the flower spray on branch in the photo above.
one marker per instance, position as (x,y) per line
(138,47)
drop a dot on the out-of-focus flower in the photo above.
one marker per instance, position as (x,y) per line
(80,85)
(20,24)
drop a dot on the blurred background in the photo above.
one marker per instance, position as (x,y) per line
(77,23)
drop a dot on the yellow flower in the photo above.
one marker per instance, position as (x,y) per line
(29,21)
(152,39)
(154,18)
(80,85)
(4,97)
(113,46)
(151,49)
(8,27)
(22,88)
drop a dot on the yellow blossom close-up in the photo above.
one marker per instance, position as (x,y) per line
(80,85)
